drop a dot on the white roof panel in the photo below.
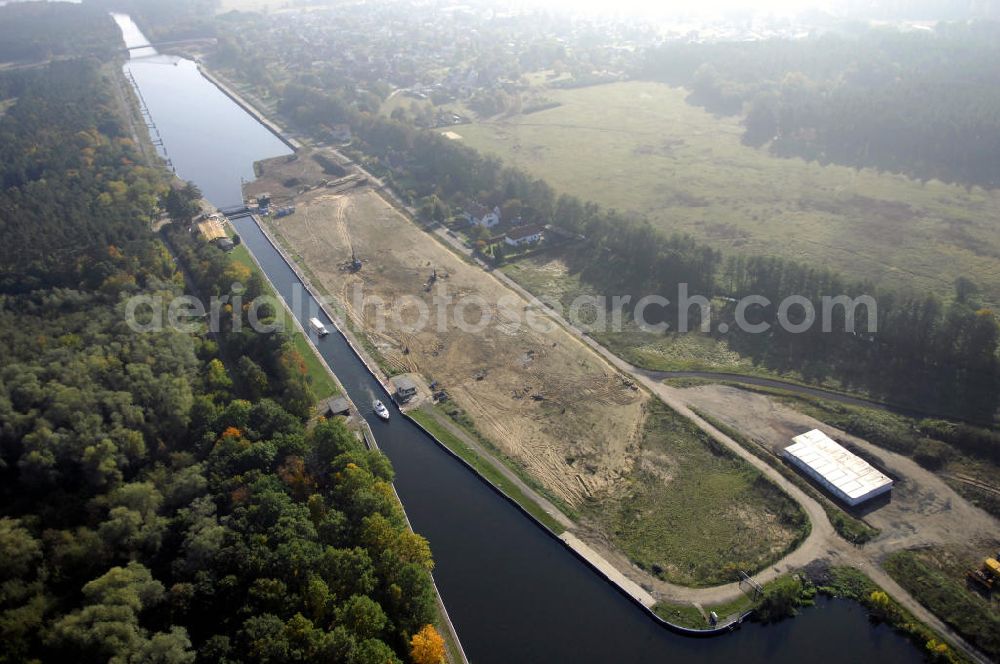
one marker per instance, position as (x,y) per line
(828,459)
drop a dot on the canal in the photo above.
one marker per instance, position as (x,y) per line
(514,593)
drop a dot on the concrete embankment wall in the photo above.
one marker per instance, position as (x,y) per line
(252,110)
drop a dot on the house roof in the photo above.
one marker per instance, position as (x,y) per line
(336,405)
(211,228)
(478,210)
(522,232)
(404,383)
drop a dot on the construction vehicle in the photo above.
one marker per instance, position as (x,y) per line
(431,280)
(987,576)
(264,203)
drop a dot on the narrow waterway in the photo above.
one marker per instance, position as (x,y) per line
(515,593)
(209,139)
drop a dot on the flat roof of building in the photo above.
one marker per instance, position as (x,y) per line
(404,383)
(845,471)
(337,405)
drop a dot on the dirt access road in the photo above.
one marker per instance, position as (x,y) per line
(934,512)
(923,510)
(559,411)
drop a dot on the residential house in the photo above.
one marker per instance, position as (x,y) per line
(522,235)
(480,215)
(341,133)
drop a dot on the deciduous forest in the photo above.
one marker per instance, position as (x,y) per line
(164,496)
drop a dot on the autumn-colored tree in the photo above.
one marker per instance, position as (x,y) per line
(293,473)
(881,605)
(427,646)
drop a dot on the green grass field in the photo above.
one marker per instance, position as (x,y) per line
(850,528)
(688,615)
(693,513)
(639,147)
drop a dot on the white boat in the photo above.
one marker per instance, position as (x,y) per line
(319,327)
(381,410)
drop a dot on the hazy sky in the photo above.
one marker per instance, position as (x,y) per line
(666,7)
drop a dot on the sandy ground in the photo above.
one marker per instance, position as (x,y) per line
(289,176)
(923,509)
(822,543)
(567,416)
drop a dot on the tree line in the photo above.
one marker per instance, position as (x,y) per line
(162,498)
(923,103)
(31,31)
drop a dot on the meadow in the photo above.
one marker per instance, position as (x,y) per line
(692,513)
(640,148)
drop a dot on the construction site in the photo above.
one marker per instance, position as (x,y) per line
(563,415)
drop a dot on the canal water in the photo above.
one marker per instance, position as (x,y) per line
(209,139)
(514,593)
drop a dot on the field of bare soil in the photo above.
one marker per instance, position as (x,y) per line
(560,411)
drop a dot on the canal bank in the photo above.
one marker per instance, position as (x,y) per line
(512,591)
(252,110)
(289,284)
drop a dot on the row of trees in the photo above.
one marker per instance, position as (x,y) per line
(161,497)
(923,103)
(937,358)
(264,365)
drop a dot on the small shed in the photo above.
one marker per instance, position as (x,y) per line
(334,407)
(406,389)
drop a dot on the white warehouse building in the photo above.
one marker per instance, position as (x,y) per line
(849,477)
